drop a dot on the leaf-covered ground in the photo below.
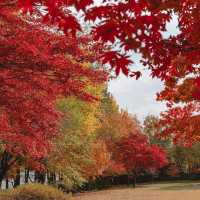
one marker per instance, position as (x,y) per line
(163,191)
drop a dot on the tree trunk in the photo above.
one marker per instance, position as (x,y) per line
(27,171)
(51,177)
(35,177)
(7,183)
(134,180)
(40,177)
(54,177)
(5,164)
(60,176)
(48,177)
(152,178)
(17,179)
(128,179)
(2,174)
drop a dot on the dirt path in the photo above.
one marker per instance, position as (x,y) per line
(167,191)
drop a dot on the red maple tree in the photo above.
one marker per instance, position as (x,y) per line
(137,155)
(37,66)
(139,26)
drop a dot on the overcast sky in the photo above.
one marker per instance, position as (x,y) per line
(139,96)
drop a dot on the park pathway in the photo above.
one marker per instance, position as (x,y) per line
(165,191)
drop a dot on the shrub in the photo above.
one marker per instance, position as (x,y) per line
(33,192)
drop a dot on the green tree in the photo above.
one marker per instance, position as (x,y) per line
(186,159)
(151,129)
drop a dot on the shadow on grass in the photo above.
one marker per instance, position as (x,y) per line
(181,186)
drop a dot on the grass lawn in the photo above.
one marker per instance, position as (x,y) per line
(161,191)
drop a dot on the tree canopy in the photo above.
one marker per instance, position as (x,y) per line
(124,27)
(47,55)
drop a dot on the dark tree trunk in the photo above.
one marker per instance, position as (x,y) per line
(134,181)
(54,177)
(40,177)
(128,179)
(60,176)
(7,183)
(5,164)
(152,178)
(26,178)
(51,177)
(17,179)
(2,174)
(48,177)
(35,177)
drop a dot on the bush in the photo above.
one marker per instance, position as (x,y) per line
(33,192)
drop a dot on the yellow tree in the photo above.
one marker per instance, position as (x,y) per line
(76,146)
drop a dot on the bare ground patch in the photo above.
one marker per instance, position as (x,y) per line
(163,191)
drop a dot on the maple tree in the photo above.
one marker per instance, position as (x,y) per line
(137,155)
(137,25)
(122,133)
(37,67)
(130,26)
(181,124)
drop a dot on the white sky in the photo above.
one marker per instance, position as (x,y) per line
(139,96)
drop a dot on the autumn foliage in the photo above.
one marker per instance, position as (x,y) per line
(137,155)
(37,67)
(140,27)
(43,51)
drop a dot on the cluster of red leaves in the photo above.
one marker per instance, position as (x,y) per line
(181,122)
(138,25)
(181,125)
(38,66)
(137,155)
